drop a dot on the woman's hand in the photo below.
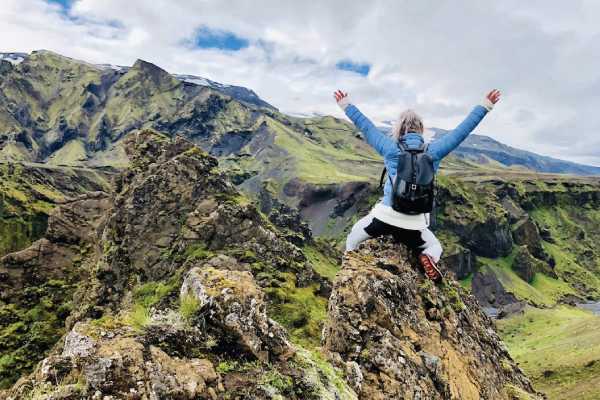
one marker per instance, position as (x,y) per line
(339,95)
(492,96)
(342,99)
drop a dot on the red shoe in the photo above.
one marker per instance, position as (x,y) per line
(432,271)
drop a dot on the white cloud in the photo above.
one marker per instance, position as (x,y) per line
(437,57)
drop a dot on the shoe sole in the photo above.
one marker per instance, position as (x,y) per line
(430,268)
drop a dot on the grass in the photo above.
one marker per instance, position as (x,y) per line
(152,292)
(512,283)
(322,162)
(466,282)
(558,348)
(79,386)
(189,307)
(140,317)
(299,310)
(324,265)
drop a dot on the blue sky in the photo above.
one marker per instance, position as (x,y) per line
(439,58)
(64,3)
(209,39)
(347,65)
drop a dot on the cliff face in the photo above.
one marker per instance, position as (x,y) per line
(517,237)
(173,287)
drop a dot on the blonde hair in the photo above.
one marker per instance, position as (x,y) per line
(409,121)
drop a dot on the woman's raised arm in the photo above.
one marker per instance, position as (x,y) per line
(442,147)
(374,136)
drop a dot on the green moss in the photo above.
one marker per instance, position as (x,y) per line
(467,282)
(198,251)
(453,297)
(231,199)
(299,310)
(28,333)
(473,204)
(320,255)
(195,151)
(152,292)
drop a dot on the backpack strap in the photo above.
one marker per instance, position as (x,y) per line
(382,176)
(403,146)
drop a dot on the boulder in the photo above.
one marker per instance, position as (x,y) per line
(236,304)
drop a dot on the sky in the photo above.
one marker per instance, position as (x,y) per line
(437,57)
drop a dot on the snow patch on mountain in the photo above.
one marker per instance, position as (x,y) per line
(14,58)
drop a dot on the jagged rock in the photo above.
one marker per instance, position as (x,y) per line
(546,234)
(296,231)
(72,226)
(513,310)
(120,365)
(489,291)
(169,293)
(165,357)
(171,211)
(526,266)
(409,338)
(527,234)
(522,264)
(237,304)
(461,260)
(479,222)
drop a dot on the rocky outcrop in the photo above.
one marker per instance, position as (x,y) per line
(479,221)
(526,265)
(171,211)
(192,352)
(399,336)
(71,230)
(527,234)
(28,193)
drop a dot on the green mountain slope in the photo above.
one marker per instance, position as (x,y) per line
(27,194)
(558,348)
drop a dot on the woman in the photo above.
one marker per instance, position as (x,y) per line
(412,230)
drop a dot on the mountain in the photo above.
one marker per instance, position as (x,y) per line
(485,150)
(58,111)
(236,92)
(173,286)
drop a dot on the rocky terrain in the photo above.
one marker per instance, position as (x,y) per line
(172,286)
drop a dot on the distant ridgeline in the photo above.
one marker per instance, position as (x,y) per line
(487,151)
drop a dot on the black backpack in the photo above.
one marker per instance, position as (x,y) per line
(412,187)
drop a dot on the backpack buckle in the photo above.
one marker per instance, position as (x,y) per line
(413,186)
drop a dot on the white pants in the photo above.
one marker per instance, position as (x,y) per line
(423,240)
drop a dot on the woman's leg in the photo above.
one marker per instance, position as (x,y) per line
(431,245)
(358,235)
